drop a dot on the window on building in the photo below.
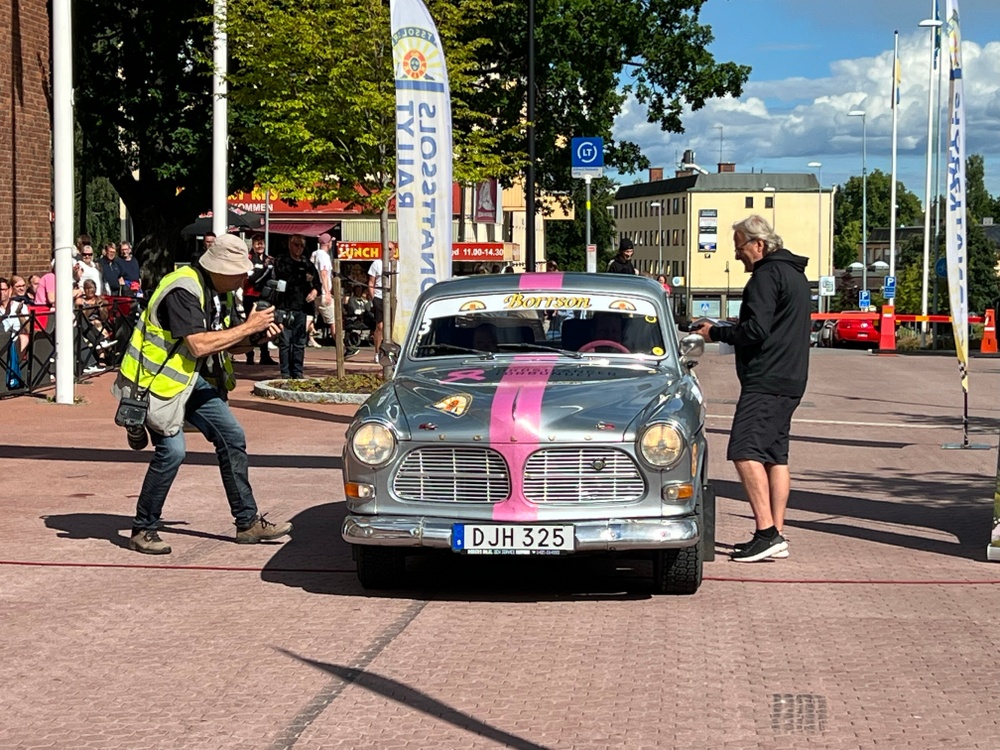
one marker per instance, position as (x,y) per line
(684,204)
(748,202)
(666,206)
(677,204)
(677,236)
(769,201)
(683,236)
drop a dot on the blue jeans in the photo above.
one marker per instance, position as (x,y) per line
(292,345)
(207,411)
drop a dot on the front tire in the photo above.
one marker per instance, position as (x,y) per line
(677,571)
(380,567)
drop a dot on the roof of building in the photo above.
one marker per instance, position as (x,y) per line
(724,182)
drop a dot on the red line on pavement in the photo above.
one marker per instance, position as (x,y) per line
(224,568)
(344,571)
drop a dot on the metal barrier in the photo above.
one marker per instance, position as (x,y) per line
(100,339)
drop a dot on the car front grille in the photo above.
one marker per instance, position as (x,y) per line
(582,475)
(452,475)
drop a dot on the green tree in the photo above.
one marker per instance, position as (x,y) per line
(846,244)
(978,199)
(143,101)
(315,78)
(566,241)
(590,56)
(849,203)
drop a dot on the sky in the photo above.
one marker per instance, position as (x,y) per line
(814,61)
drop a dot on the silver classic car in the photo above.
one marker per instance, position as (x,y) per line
(535,414)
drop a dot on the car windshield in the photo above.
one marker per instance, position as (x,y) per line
(574,325)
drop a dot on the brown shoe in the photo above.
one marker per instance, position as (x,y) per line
(148,542)
(262,530)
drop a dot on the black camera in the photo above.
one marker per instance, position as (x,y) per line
(271,295)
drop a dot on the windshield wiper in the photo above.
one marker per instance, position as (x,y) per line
(541,347)
(454,348)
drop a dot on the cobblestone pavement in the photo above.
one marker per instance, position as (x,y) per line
(880,630)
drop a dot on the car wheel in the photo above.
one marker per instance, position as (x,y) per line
(380,567)
(677,571)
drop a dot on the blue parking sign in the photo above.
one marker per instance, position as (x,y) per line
(889,289)
(864,299)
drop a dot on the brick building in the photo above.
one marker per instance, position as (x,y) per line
(25,138)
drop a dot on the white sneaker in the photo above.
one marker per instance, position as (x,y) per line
(93,370)
(105,344)
(271,345)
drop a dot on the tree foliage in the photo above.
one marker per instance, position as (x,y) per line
(566,241)
(589,56)
(315,78)
(143,102)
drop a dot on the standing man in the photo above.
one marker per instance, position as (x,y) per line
(622,263)
(375,295)
(129,269)
(179,352)
(301,288)
(321,258)
(772,363)
(206,242)
(263,269)
(110,271)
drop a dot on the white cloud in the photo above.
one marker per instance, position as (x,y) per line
(779,125)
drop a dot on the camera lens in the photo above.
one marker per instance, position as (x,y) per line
(137,437)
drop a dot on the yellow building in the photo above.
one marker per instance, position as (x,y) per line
(685,222)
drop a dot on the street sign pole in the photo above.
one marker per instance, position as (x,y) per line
(587,179)
(587,162)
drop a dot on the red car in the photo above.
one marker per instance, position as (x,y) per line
(856,328)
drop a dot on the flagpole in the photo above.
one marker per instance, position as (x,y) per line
(892,192)
(934,24)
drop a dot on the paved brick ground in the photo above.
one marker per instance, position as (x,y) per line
(881,629)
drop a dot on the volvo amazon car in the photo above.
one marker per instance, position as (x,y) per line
(535,414)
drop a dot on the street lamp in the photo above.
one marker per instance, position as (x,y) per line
(774,204)
(659,235)
(864,196)
(933,24)
(818,166)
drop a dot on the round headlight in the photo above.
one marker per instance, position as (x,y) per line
(661,445)
(373,443)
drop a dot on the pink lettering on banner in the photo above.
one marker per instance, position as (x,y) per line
(514,425)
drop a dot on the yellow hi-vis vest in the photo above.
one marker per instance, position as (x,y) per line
(156,343)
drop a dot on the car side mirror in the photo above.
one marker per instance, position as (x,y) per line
(692,346)
(390,350)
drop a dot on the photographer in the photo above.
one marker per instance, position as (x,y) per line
(302,286)
(179,357)
(263,269)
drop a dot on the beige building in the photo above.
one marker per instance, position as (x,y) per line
(685,222)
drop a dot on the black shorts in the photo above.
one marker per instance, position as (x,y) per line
(377,310)
(760,428)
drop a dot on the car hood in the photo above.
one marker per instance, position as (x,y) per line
(537,401)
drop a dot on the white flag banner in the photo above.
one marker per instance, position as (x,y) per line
(423,157)
(955,227)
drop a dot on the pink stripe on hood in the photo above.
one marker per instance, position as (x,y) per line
(514,424)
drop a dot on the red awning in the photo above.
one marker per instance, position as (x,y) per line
(308,229)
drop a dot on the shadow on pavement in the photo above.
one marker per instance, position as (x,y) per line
(289,410)
(951,511)
(848,442)
(194,458)
(114,528)
(318,560)
(417,700)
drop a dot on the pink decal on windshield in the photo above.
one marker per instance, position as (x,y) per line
(541,281)
(514,424)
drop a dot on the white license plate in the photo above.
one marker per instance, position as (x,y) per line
(511,539)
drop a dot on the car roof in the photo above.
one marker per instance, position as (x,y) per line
(593,283)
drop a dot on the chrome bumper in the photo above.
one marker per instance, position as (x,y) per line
(591,536)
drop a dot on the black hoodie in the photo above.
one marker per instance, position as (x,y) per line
(772,337)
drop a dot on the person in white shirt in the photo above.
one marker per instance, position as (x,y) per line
(375,295)
(321,258)
(89,269)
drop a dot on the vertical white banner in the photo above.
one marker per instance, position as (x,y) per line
(955,229)
(423,157)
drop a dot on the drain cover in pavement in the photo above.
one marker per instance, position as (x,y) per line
(798,713)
